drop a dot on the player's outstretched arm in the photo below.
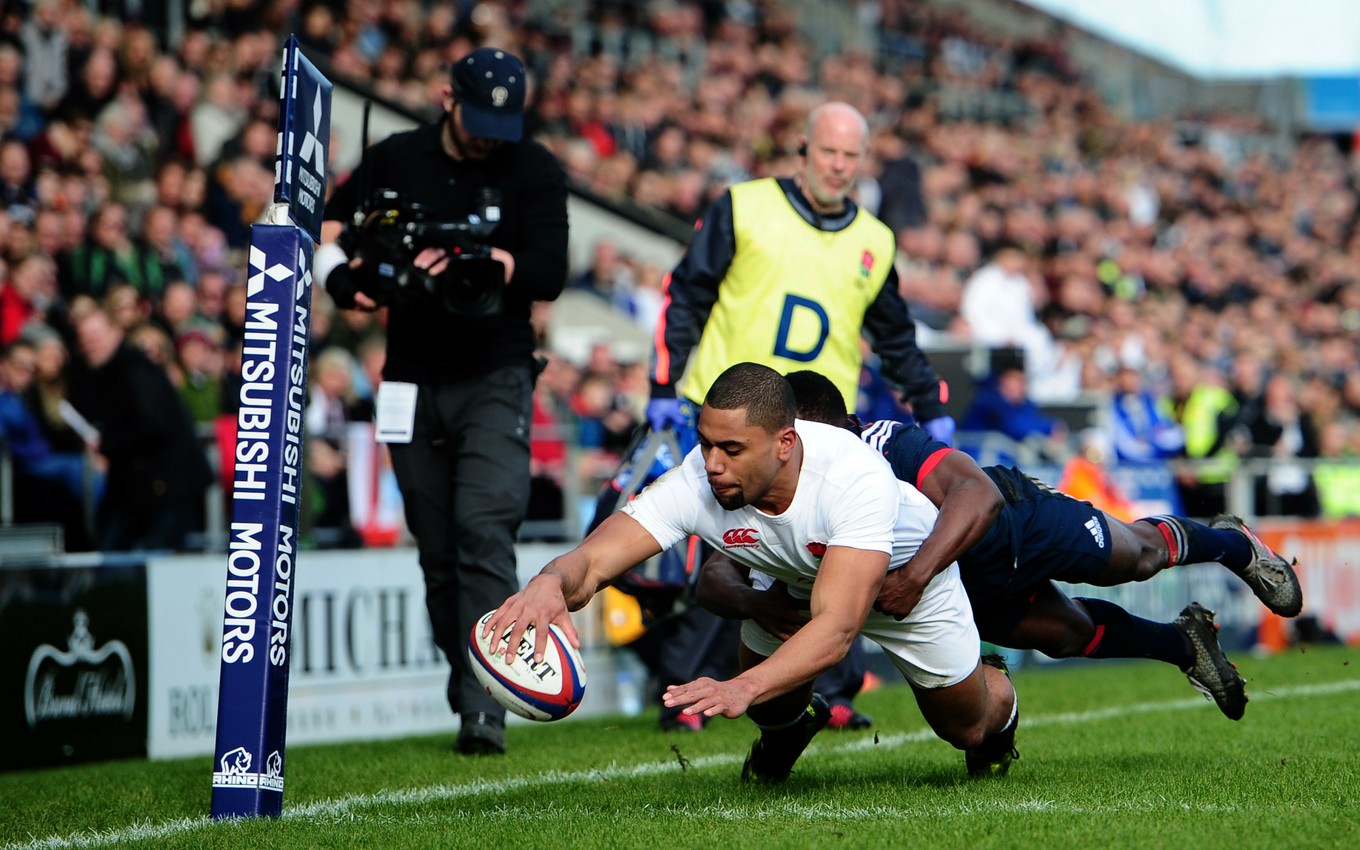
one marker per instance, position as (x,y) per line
(969,504)
(842,596)
(569,581)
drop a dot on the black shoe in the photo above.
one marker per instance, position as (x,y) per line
(774,752)
(480,735)
(994,755)
(1212,673)
(1269,575)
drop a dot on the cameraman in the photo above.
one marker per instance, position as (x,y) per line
(463,462)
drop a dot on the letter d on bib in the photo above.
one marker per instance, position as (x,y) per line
(784,341)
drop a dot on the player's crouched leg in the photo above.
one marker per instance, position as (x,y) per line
(787,723)
(994,755)
(978,715)
(783,739)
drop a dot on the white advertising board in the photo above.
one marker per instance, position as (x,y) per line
(364,665)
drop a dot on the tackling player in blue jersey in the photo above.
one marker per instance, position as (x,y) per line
(1013,537)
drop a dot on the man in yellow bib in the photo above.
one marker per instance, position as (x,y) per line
(789,273)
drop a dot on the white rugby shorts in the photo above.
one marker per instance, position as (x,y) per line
(936,646)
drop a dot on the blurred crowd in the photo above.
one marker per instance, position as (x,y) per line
(1202,283)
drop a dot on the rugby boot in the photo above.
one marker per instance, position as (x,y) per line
(775,751)
(1269,575)
(1212,674)
(994,755)
(845,716)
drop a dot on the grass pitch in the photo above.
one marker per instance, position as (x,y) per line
(1112,755)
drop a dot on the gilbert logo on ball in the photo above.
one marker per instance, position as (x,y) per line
(546,690)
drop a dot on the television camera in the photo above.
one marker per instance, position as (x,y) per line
(388,231)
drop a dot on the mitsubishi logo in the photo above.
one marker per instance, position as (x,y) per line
(276,272)
(311,140)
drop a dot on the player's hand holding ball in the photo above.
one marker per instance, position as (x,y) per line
(549,689)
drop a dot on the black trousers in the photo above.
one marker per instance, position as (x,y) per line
(464,480)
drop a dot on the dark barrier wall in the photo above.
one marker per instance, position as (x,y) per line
(73,664)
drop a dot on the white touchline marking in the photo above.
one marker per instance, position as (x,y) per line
(333,808)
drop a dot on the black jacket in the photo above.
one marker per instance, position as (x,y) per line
(154,456)
(425,342)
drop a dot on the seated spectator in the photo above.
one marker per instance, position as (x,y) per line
(109,256)
(179,304)
(16,181)
(329,412)
(57,419)
(49,486)
(1002,404)
(607,272)
(198,346)
(167,258)
(605,422)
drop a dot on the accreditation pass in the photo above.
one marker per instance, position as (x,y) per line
(396,414)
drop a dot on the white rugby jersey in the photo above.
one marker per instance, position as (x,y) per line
(846,495)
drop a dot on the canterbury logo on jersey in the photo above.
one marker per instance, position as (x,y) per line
(1093,526)
(740,538)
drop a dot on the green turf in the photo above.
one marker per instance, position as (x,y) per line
(1113,755)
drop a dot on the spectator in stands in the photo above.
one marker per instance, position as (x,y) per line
(1002,404)
(330,409)
(167,258)
(1281,431)
(127,143)
(44,40)
(49,486)
(198,349)
(16,181)
(1203,404)
(127,309)
(606,274)
(106,258)
(216,118)
(46,396)
(1337,474)
(18,117)
(1144,428)
(1001,304)
(178,305)
(157,472)
(29,296)
(212,295)
(604,424)
(94,87)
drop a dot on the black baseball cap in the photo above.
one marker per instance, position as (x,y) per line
(489,83)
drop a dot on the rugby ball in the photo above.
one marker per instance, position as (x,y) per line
(548,690)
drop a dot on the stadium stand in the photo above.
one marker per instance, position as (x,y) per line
(1161,235)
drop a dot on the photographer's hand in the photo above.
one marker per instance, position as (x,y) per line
(361,301)
(432,260)
(506,259)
